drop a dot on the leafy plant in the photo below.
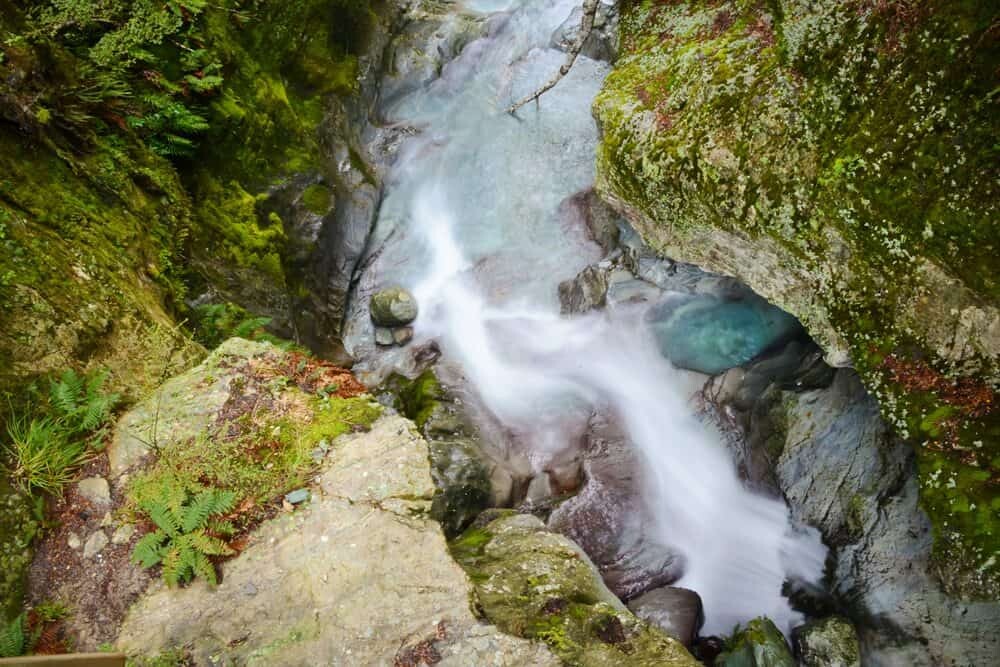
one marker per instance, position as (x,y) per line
(13,638)
(41,455)
(187,530)
(80,404)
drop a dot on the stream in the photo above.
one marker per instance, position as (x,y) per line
(471,222)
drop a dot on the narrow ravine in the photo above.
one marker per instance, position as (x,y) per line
(471,223)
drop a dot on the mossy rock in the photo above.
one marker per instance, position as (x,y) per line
(537,584)
(837,158)
(759,644)
(18,527)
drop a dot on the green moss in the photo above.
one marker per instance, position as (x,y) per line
(18,528)
(858,143)
(419,398)
(337,416)
(536,584)
(317,197)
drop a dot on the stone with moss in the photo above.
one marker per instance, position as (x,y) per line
(828,642)
(834,156)
(759,644)
(18,527)
(537,584)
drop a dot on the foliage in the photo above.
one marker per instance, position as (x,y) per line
(188,526)
(212,323)
(45,449)
(13,638)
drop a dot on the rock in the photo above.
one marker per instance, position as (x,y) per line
(710,335)
(393,307)
(830,642)
(297,496)
(73,541)
(759,644)
(95,490)
(360,577)
(533,582)
(384,336)
(183,407)
(585,292)
(827,450)
(123,534)
(95,543)
(402,335)
(609,519)
(602,43)
(676,611)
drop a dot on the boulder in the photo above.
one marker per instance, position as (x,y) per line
(95,490)
(393,307)
(676,611)
(360,576)
(534,583)
(759,644)
(829,642)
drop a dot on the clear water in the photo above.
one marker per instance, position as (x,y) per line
(469,224)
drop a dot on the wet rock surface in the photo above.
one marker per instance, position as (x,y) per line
(759,644)
(830,642)
(393,307)
(676,611)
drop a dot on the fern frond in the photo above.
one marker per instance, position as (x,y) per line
(13,638)
(149,550)
(163,517)
(208,545)
(172,565)
(220,527)
(204,505)
(203,568)
(65,393)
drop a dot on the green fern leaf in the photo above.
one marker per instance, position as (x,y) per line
(220,527)
(65,394)
(204,505)
(208,545)
(149,550)
(13,639)
(172,565)
(203,568)
(164,519)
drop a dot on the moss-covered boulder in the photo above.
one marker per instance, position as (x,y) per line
(18,527)
(838,157)
(828,642)
(759,644)
(537,584)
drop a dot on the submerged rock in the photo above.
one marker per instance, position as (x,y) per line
(710,335)
(359,577)
(538,584)
(676,611)
(393,307)
(830,642)
(759,644)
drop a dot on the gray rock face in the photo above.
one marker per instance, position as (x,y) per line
(602,43)
(827,450)
(360,576)
(393,307)
(830,642)
(676,611)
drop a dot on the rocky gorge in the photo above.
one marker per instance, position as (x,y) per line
(594,415)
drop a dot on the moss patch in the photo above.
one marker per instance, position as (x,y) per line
(536,584)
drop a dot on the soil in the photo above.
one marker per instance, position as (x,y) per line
(97,591)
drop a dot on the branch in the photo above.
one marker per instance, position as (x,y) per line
(586,26)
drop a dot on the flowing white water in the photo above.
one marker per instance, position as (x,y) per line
(474,196)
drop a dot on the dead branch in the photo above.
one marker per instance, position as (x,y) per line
(586,26)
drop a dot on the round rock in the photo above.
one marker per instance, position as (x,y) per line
(393,307)
(677,611)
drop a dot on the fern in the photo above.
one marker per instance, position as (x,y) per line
(13,639)
(182,541)
(80,402)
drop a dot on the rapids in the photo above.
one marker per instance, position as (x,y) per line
(469,223)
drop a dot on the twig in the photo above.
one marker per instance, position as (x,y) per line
(586,27)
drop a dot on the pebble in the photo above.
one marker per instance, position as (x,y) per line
(95,543)
(123,534)
(73,541)
(297,496)
(95,490)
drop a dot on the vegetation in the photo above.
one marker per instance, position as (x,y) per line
(13,638)
(46,449)
(188,530)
